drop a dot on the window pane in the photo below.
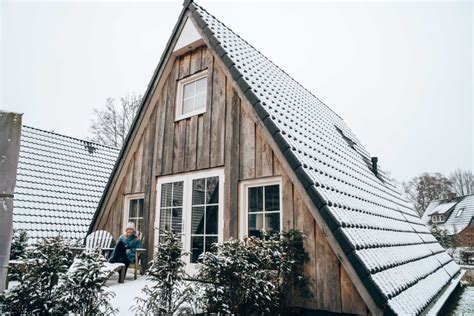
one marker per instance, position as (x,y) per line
(200,101)
(212,214)
(210,241)
(272,222)
(140,208)
(166,194)
(255,199)
(178,193)
(272,198)
(201,85)
(188,105)
(197,220)
(177,219)
(132,209)
(198,191)
(212,190)
(255,224)
(197,247)
(138,225)
(165,218)
(189,90)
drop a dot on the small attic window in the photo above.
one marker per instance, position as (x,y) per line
(191,96)
(459,213)
(437,218)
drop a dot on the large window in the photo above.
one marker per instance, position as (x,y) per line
(191,96)
(191,204)
(133,211)
(260,207)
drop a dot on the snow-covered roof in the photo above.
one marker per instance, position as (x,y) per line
(457,220)
(442,208)
(396,257)
(59,183)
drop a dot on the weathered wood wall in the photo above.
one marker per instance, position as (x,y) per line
(224,136)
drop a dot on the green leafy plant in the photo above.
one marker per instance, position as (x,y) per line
(82,289)
(19,244)
(253,276)
(168,293)
(442,236)
(34,293)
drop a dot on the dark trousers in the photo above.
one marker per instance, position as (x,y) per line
(120,255)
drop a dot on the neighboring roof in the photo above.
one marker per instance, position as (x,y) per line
(394,254)
(453,224)
(59,183)
(442,208)
(400,262)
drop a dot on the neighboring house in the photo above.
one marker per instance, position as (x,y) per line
(59,183)
(226,144)
(455,215)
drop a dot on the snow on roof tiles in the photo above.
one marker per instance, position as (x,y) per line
(453,224)
(59,183)
(393,252)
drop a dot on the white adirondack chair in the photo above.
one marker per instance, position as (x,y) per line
(98,239)
(101,239)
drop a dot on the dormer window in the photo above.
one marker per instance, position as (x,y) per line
(437,218)
(191,96)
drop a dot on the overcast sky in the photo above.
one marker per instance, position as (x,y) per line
(399,74)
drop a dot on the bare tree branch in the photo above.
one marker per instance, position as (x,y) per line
(112,122)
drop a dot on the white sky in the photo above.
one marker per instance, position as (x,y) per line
(400,74)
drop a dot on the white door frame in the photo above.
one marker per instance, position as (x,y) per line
(187,179)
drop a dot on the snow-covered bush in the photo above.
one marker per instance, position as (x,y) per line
(17,252)
(235,278)
(168,293)
(82,289)
(34,293)
(19,244)
(442,236)
(253,276)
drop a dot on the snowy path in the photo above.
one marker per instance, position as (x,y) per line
(126,292)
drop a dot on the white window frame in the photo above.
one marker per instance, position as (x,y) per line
(244,201)
(459,212)
(126,208)
(437,218)
(187,179)
(179,96)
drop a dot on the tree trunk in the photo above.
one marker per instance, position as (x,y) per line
(10,132)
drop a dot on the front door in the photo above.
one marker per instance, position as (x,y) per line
(191,205)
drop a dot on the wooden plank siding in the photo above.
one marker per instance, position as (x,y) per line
(226,135)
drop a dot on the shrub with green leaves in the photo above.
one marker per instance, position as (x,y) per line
(34,293)
(168,293)
(253,276)
(19,244)
(442,236)
(82,289)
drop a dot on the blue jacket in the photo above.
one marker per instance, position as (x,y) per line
(131,243)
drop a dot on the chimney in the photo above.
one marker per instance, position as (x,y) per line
(374,166)
(451,195)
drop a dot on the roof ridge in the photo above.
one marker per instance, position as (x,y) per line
(71,137)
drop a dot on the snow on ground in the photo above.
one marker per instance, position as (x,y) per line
(126,292)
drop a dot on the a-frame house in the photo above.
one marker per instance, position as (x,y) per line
(226,144)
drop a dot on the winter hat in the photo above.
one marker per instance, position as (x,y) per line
(131,226)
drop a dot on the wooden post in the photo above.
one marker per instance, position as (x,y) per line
(10,132)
